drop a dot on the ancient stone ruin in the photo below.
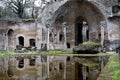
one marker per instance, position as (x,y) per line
(62,25)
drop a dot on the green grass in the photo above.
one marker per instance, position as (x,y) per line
(112,69)
(55,52)
(5,53)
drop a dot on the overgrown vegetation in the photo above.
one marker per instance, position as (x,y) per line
(112,69)
(87,45)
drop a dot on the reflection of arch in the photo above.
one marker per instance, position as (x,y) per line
(32,62)
(32,42)
(21,63)
(21,40)
(10,35)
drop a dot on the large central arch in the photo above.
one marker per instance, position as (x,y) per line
(73,13)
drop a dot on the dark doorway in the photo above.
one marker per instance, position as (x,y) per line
(10,39)
(21,40)
(87,34)
(68,45)
(79,38)
(61,37)
(82,32)
(32,42)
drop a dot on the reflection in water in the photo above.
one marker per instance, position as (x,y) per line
(43,67)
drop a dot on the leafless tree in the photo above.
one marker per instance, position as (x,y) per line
(24,8)
(17,6)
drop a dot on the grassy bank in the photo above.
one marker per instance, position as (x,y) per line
(112,69)
(4,53)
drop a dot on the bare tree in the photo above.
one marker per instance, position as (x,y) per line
(24,8)
(17,6)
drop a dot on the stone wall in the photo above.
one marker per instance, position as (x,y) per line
(28,29)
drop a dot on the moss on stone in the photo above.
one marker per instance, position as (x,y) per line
(87,45)
(86,62)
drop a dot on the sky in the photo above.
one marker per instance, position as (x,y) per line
(38,2)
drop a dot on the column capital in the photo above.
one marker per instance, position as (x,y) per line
(47,25)
(64,24)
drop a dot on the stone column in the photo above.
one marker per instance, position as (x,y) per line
(13,41)
(84,31)
(4,46)
(102,24)
(5,37)
(58,37)
(48,37)
(64,31)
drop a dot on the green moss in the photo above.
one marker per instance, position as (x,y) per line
(91,43)
(86,62)
(112,68)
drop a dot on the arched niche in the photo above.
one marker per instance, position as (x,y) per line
(81,31)
(32,42)
(10,35)
(21,40)
(75,13)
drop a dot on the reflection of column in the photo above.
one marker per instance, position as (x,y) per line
(48,67)
(84,72)
(64,31)
(64,74)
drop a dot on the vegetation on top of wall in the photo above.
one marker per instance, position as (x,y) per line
(87,45)
(112,69)
(1,14)
(91,43)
